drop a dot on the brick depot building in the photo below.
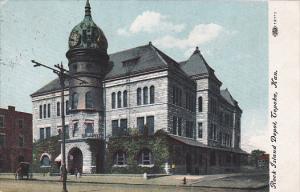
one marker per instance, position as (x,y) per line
(15,138)
(140,110)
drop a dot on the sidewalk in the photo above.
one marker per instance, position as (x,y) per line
(235,180)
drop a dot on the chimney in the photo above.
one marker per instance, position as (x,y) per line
(11,108)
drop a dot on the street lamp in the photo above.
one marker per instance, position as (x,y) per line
(62,75)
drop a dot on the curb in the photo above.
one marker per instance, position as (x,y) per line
(139,184)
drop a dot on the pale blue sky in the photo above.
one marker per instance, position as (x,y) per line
(232,35)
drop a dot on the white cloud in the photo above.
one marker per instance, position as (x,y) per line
(258,139)
(123,32)
(151,22)
(3,2)
(200,34)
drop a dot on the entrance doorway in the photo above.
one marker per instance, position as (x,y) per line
(75,160)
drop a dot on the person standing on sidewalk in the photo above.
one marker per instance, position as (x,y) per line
(76,173)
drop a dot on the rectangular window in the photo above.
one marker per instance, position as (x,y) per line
(210,132)
(140,124)
(150,124)
(115,127)
(1,121)
(123,126)
(179,126)
(200,130)
(121,159)
(67,132)
(113,100)
(146,158)
(41,111)
(2,140)
(45,110)
(21,141)
(42,134)
(180,97)
(214,132)
(58,108)
(174,95)
(186,128)
(20,123)
(174,130)
(49,110)
(67,108)
(139,96)
(188,131)
(48,132)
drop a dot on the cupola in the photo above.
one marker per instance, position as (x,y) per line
(87,34)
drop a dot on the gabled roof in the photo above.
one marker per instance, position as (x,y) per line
(196,65)
(136,60)
(228,98)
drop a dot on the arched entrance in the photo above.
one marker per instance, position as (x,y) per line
(75,160)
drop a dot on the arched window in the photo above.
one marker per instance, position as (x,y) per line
(88,100)
(119,99)
(145,95)
(49,110)
(145,157)
(125,98)
(152,94)
(120,158)
(200,104)
(113,100)
(45,161)
(41,111)
(139,96)
(45,110)
(74,100)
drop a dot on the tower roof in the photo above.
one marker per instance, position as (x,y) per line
(196,66)
(87,34)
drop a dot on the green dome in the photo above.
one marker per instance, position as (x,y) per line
(87,34)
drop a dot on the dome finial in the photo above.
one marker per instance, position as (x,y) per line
(196,50)
(87,8)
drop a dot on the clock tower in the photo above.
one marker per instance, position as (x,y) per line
(88,60)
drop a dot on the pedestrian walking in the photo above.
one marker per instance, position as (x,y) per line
(76,173)
(61,172)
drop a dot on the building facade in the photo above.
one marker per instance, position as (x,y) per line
(15,138)
(132,93)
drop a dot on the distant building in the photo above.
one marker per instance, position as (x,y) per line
(263,161)
(139,91)
(15,138)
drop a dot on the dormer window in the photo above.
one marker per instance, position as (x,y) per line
(130,62)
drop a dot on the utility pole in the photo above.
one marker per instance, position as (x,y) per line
(62,75)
